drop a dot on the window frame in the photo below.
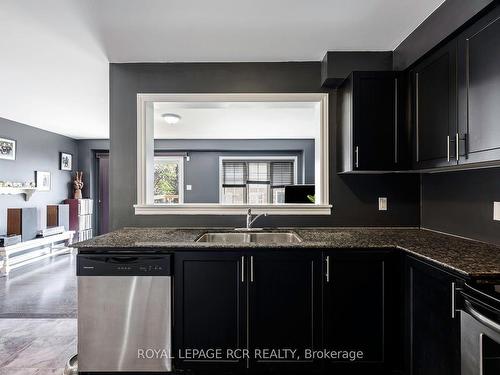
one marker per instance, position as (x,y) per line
(180,160)
(145,154)
(247,159)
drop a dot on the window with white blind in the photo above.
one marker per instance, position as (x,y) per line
(256,180)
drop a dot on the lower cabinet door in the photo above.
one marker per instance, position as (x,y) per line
(359,311)
(209,312)
(284,310)
(433,329)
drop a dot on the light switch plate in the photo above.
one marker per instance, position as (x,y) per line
(189,187)
(496,211)
(382,204)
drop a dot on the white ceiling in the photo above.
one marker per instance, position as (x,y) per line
(238,120)
(55,53)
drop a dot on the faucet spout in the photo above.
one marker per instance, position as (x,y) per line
(251,219)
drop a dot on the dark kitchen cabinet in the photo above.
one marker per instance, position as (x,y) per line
(285,307)
(432,336)
(209,309)
(360,309)
(435,109)
(479,90)
(259,301)
(368,122)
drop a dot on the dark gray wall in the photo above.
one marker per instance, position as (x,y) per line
(36,150)
(461,203)
(450,16)
(202,171)
(337,65)
(354,198)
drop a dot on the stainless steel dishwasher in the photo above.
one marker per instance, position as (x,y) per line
(124,313)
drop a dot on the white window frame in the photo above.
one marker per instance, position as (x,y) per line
(145,154)
(250,158)
(180,160)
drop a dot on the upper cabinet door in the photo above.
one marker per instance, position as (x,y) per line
(368,122)
(375,121)
(479,90)
(434,108)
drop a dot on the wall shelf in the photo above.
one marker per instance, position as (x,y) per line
(28,192)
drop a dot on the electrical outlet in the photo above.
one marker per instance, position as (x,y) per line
(189,187)
(382,204)
(496,211)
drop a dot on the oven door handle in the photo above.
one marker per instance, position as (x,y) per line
(481,318)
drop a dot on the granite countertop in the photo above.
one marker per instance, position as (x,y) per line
(473,259)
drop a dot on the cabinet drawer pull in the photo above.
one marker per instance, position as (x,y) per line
(453,300)
(242,268)
(448,148)
(396,121)
(327,269)
(356,152)
(457,146)
(251,269)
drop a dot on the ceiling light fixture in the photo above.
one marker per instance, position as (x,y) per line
(171,118)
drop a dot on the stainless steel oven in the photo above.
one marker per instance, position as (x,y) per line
(124,313)
(480,330)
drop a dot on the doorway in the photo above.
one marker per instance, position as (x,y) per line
(102,192)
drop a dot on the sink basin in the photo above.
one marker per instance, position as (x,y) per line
(261,237)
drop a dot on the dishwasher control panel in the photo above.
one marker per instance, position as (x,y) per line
(124,265)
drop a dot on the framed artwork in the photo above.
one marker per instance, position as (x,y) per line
(7,149)
(43,181)
(65,161)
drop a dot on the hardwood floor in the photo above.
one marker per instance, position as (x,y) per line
(38,317)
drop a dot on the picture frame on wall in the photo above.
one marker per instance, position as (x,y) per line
(65,161)
(7,149)
(43,180)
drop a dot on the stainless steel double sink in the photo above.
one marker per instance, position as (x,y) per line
(251,237)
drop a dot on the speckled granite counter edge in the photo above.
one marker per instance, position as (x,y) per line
(385,238)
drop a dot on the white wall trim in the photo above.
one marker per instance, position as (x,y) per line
(225,209)
(145,154)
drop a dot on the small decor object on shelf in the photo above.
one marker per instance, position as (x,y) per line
(65,161)
(43,181)
(7,149)
(78,185)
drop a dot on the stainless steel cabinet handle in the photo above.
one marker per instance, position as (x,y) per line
(396,121)
(327,269)
(453,289)
(448,147)
(251,269)
(417,141)
(457,146)
(356,152)
(242,268)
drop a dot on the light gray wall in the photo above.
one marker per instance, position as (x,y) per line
(202,171)
(354,197)
(36,150)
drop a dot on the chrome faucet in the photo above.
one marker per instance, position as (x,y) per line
(251,220)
